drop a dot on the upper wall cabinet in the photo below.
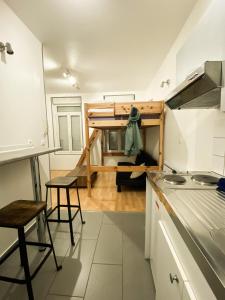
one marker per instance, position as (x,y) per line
(206,43)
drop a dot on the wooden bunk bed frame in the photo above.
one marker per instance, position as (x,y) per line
(104,116)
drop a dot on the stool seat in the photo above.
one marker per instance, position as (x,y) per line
(61,182)
(65,183)
(20,212)
(17,215)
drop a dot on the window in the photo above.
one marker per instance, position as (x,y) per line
(67,123)
(114,140)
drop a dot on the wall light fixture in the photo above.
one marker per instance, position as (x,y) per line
(7,46)
(165,82)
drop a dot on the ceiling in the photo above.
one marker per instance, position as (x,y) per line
(110,45)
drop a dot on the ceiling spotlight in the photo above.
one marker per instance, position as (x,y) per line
(72,80)
(7,46)
(66,73)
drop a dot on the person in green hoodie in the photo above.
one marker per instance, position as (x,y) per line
(133,140)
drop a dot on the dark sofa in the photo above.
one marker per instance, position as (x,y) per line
(123,178)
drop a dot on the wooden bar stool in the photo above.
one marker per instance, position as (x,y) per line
(65,183)
(17,215)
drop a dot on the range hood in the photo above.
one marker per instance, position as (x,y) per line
(201,89)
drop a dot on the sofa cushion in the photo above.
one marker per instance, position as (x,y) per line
(136,174)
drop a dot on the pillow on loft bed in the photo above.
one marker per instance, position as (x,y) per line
(137,174)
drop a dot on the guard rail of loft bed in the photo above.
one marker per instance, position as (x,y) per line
(114,115)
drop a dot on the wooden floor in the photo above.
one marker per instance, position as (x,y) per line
(105,196)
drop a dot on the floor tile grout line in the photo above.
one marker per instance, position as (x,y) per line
(54,277)
(56,271)
(69,247)
(93,256)
(106,264)
(66,296)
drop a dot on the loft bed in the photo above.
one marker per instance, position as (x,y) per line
(104,116)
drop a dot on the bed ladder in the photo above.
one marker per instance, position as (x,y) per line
(80,170)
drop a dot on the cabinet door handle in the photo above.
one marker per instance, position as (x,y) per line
(173,278)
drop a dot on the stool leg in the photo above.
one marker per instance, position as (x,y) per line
(58,267)
(70,216)
(46,196)
(58,203)
(21,257)
(78,199)
(25,263)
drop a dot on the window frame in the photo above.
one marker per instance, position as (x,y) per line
(69,116)
(106,145)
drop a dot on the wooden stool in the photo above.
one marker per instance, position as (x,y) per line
(17,215)
(65,183)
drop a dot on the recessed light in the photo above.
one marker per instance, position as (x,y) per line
(72,80)
(66,73)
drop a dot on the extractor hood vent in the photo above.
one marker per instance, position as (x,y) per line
(201,89)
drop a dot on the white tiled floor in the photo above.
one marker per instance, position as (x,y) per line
(102,266)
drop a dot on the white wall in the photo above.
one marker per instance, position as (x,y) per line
(22,113)
(189,134)
(68,162)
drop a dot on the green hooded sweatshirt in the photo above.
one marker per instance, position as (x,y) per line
(133,140)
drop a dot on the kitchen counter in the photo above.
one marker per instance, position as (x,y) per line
(199,216)
(21,154)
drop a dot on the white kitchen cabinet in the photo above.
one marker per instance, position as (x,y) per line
(169,253)
(148,209)
(169,273)
(152,216)
(155,217)
(195,278)
(188,293)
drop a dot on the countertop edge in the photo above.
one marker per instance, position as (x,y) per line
(26,154)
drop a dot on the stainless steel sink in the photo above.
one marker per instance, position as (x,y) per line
(219,238)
